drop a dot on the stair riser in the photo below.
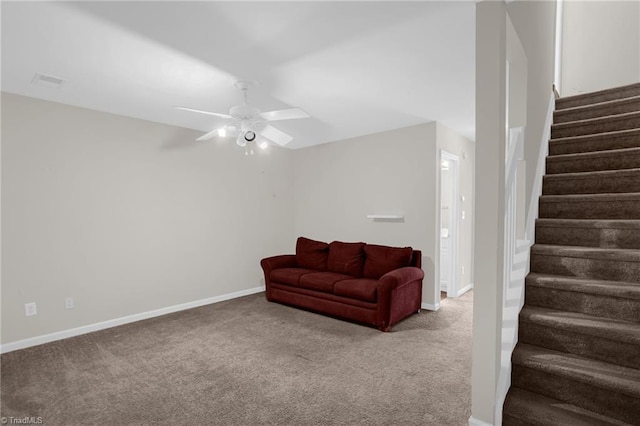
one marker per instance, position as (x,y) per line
(595,185)
(602,269)
(589,237)
(609,95)
(593,347)
(591,144)
(573,165)
(597,126)
(508,420)
(584,303)
(573,209)
(564,116)
(522,407)
(602,401)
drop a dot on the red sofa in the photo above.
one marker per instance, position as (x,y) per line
(372,284)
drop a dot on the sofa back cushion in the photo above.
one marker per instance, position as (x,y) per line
(382,259)
(312,254)
(346,258)
(416,259)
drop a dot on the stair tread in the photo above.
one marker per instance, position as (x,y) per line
(597,120)
(622,152)
(623,196)
(601,374)
(590,223)
(608,328)
(603,135)
(597,105)
(581,96)
(621,289)
(596,174)
(525,405)
(602,108)
(625,255)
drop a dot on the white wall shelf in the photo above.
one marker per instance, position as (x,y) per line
(394,217)
(385,216)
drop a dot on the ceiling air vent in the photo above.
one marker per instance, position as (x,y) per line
(47,81)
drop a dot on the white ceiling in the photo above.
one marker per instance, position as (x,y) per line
(356,67)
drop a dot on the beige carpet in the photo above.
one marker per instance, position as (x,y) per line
(250,362)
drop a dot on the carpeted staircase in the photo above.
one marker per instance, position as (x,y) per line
(577,361)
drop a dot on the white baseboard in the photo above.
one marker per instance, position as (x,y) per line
(59,335)
(430,307)
(465,289)
(476,422)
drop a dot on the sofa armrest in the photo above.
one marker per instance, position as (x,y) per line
(275,262)
(399,293)
(399,277)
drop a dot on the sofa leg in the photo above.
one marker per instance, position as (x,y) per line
(419,310)
(385,328)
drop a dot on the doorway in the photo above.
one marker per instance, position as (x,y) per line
(449,221)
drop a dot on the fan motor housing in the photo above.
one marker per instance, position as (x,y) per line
(243,112)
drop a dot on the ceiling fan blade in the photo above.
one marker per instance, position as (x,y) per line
(203,112)
(275,135)
(284,114)
(208,136)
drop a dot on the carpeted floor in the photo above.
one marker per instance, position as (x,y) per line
(250,362)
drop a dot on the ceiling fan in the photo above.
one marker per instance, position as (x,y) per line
(249,124)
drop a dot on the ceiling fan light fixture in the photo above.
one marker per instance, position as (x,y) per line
(241,141)
(248,150)
(246,120)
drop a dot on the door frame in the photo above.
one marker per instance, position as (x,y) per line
(454,220)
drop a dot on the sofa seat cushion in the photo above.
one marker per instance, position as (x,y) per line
(322,281)
(290,276)
(364,289)
(312,254)
(346,258)
(348,301)
(383,259)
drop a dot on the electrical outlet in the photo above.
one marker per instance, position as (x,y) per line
(68,303)
(463,270)
(30,309)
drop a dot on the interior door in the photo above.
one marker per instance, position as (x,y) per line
(449,223)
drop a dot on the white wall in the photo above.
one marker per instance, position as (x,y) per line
(534,22)
(128,216)
(491,47)
(338,184)
(600,45)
